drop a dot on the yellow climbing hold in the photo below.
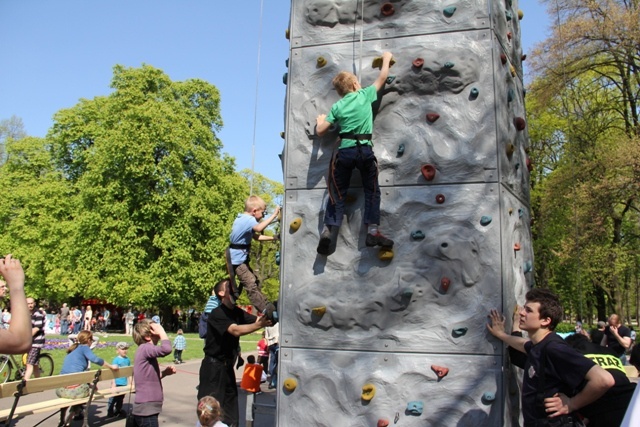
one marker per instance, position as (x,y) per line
(513,70)
(520,14)
(319,311)
(321,62)
(377,62)
(385,254)
(295,224)
(368,391)
(290,384)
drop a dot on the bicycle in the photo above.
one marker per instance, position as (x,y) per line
(8,364)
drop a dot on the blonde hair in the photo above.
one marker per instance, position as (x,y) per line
(254,202)
(141,331)
(84,337)
(208,411)
(343,82)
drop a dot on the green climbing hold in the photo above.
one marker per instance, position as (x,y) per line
(417,235)
(527,267)
(510,95)
(449,11)
(520,212)
(390,79)
(407,293)
(508,14)
(400,151)
(449,64)
(474,93)
(485,220)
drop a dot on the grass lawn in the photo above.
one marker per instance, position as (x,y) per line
(57,346)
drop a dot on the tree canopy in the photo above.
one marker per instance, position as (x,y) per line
(128,199)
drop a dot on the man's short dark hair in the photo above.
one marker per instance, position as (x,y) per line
(220,286)
(549,305)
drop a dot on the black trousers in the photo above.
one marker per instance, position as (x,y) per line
(218,379)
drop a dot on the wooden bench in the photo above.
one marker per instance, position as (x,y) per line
(17,389)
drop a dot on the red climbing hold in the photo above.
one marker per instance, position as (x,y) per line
(440,371)
(503,58)
(516,246)
(429,172)
(383,422)
(432,117)
(445,282)
(440,199)
(529,165)
(418,62)
(509,35)
(523,57)
(519,123)
(387,9)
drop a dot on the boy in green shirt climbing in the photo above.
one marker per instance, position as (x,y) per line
(354,115)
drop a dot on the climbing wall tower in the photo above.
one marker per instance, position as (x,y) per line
(367,335)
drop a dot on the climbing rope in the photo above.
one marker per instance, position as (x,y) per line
(361,39)
(255,107)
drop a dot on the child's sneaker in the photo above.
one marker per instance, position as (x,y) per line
(378,240)
(325,242)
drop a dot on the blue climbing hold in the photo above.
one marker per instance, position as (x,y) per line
(449,64)
(488,397)
(510,95)
(508,15)
(527,267)
(278,258)
(485,220)
(520,212)
(285,77)
(407,293)
(415,407)
(459,332)
(474,93)
(417,235)
(449,11)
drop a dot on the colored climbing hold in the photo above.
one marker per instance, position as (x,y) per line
(282,135)
(516,247)
(383,422)
(377,62)
(485,220)
(510,149)
(387,9)
(449,11)
(319,311)
(510,211)
(385,254)
(290,384)
(527,266)
(428,171)
(509,35)
(520,212)
(510,95)
(390,79)
(449,64)
(295,225)
(508,15)
(285,77)
(519,123)
(503,58)
(432,117)
(440,371)
(459,332)
(277,257)
(418,63)
(520,14)
(512,70)
(415,407)
(517,166)
(287,34)
(445,282)
(488,397)
(523,57)
(529,165)
(368,391)
(417,235)
(400,151)
(407,293)
(440,199)
(474,93)
(321,61)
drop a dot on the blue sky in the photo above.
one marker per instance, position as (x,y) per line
(56,52)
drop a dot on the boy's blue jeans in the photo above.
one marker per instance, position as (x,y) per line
(345,161)
(115,404)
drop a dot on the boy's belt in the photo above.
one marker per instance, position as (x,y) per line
(356,136)
(238,246)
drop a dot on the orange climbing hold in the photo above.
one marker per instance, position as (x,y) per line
(516,246)
(383,422)
(429,172)
(418,62)
(440,371)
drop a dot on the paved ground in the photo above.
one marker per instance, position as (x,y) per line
(179,403)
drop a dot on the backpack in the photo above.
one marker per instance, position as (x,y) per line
(202,325)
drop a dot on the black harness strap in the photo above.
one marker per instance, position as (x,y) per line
(356,136)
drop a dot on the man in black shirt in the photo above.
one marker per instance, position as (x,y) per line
(225,325)
(617,337)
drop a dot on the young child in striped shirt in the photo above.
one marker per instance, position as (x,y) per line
(179,344)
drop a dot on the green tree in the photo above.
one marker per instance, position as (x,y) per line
(11,128)
(155,196)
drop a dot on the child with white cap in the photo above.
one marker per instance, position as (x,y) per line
(121,360)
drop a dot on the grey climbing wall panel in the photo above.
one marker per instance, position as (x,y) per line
(462,234)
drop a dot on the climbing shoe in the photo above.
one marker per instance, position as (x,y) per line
(271,313)
(378,240)
(325,242)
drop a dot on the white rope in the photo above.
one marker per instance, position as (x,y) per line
(255,108)
(361,39)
